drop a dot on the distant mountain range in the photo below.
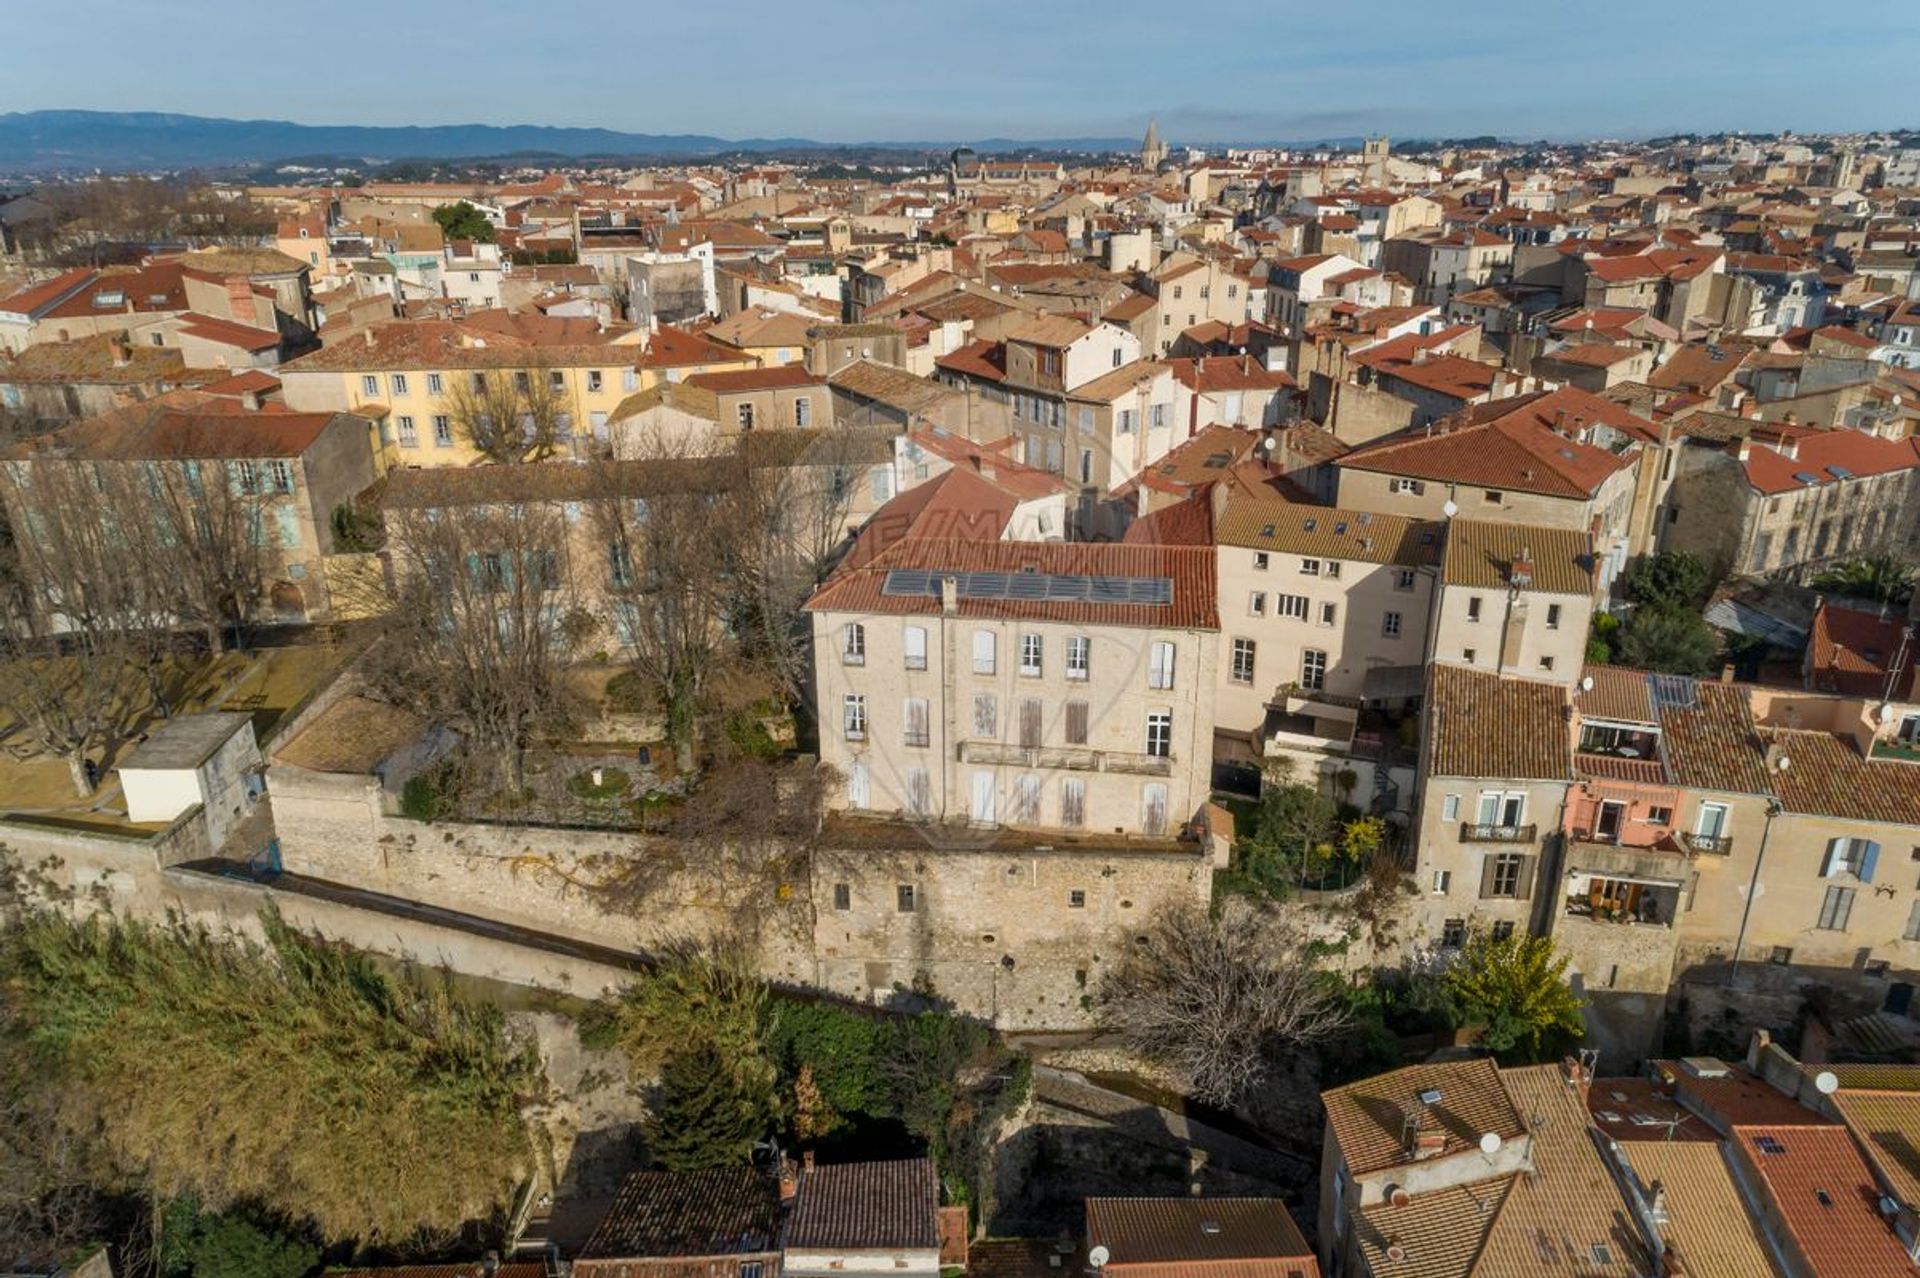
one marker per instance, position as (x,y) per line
(53,140)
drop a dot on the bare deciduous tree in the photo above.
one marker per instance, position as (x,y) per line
(484,626)
(671,584)
(80,669)
(800,489)
(1213,998)
(509,415)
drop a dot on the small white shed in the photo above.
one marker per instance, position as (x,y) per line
(208,760)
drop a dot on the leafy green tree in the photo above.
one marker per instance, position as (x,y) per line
(195,1244)
(1293,830)
(1516,987)
(297,1076)
(1875,578)
(462,221)
(841,1047)
(705,1112)
(1669,639)
(1671,579)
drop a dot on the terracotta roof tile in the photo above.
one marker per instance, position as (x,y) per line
(1190,569)
(1368,1118)
(1482,725)
(1711,744)
(1327,532)
(1851,651)
(1567,1217)
(1440,1233)
(1202,1237)
(1481,553)
(1709,1228)
(1829,776)
(727,1211)
(879,1205)
(1515,450)
(1826,1198)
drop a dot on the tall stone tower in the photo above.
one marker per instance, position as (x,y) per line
(1373,160)
(1152,151)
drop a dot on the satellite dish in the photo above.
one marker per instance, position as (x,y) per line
(1098,1257)
(1783,763)
(1827,1082)
(1490,1143)
(1450,509)
(1586,683)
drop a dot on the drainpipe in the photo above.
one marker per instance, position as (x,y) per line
(1753,885)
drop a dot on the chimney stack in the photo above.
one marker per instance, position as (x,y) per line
(949,595)
(122,350)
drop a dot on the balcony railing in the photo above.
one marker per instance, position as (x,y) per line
(1473,832)
(1710,844)
(1069,758)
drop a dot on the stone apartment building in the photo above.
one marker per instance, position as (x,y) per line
(1033,686)
(1322,608)
(404,373)
(1788,500)
(292,469)
(1190,290)
(1564,460)
(1661,828)
(1514,598)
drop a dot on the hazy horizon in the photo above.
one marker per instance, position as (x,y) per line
(853,73)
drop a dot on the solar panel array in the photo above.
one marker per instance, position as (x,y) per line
(1673,692)
(1033,587)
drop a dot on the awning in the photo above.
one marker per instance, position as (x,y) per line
(1393,683)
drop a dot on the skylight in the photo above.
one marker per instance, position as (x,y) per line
(1768,1145)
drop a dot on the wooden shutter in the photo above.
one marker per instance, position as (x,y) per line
(1826,862)
(1486,876)
(1869,859)
(1155,814)
(1073,804)
(1030,723)
(1523,885)
(1076,723)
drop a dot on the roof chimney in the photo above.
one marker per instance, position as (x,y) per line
(122,350)
(1420,355)
(367,333)
(1520,572)
(949,604)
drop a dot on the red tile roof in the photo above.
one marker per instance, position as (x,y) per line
(1199,1238)
(1851,651)
(1228,373)
(227,333)
(1826,1197)
(29,300)
(1190,569)
(982,359)
(1855,452)
(1516,450)
(784,377)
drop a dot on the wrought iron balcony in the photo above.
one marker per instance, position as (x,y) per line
(1710,844)
(1473,832)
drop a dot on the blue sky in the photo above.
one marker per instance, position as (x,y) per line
(851,70)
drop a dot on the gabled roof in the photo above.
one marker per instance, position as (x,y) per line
(1570,1195)
(1514,450)
(1368,1117)
(162,432)
(887,1206)
(1201,1237)
(1825,1196)
(738,380)
(1327,532)
(727,1211)
(1189,570)
(1852,650)
(1483,725)
(1484,554)
(1228,373)
(1827,457)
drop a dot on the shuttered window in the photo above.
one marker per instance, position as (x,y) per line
(1076,723)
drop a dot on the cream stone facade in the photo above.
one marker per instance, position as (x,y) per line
(962,712)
